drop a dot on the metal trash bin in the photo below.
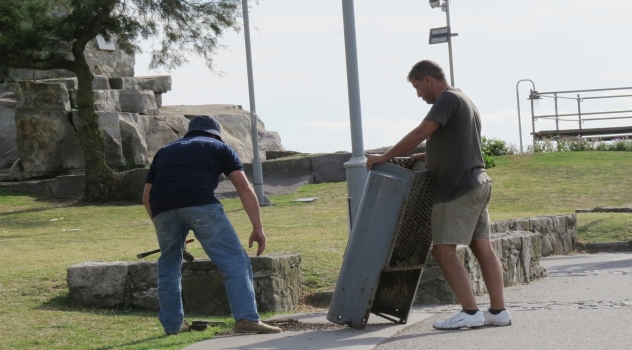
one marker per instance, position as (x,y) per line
(387,249)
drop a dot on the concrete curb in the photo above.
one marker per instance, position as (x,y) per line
(605,247)
(605,210)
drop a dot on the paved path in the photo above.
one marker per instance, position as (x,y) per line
(584,303)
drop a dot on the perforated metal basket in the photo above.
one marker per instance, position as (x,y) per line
(387,249)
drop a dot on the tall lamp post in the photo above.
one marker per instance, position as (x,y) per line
(356,166)
(442,35)
(257,173)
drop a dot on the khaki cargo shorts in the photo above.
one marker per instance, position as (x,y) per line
(463,219)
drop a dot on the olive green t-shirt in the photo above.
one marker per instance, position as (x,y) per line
(453,151)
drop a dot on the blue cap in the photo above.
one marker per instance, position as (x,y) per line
(205,123)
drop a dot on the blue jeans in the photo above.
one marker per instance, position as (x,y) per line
(220,242)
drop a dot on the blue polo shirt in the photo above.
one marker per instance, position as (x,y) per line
(185,172)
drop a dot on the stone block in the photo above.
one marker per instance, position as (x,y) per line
(132,127)
(277,282)
(137,101)
(97,284)
(100,82)
(203,290)
(111,131)
(330,167)
(71,83)
(159,83)
(107,101)
(39,188)
(47,143)
(67,186)
(8,146)
(43,96)
(143,285)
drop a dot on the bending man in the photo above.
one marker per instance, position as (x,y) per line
(462,192)
(179,196)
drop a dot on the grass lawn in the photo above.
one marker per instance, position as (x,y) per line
(40,238)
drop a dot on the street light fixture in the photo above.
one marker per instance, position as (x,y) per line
(443,34)
(534,98)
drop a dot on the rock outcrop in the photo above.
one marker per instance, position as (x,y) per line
(39,118)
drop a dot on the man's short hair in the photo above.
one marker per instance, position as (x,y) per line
(426,68)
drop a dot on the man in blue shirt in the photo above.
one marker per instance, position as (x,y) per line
(179,196)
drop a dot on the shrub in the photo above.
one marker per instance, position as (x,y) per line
(495,147)
(490,161)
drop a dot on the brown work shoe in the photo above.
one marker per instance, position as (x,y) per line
(183,328)
(245,326)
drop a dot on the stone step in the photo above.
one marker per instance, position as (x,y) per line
(277,283)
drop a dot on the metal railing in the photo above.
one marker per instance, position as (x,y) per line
(581,117)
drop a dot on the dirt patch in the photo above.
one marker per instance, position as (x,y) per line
(292,325)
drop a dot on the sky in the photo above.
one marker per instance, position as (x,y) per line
(300,71)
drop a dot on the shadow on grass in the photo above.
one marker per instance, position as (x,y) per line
(586,227)
(184,342)
(62,303)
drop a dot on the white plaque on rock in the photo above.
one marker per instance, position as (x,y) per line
(105,45)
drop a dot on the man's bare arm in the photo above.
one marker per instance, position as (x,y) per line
(406,144)
(251,205)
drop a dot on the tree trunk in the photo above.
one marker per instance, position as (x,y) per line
(101,183)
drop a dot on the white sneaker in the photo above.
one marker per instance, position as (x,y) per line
(461,320)
(502,319)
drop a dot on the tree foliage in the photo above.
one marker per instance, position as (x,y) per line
(53,34)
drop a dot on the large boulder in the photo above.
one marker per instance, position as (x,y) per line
(47,143)
(46,131)
(133,138)
(235,123)
(112,64)
(111,131)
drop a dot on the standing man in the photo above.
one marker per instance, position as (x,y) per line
(179,196)
(462,192)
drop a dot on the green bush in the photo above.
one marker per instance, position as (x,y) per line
(495,147)
(490,161)
(491,148)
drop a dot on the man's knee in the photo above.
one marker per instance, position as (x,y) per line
(443,252)
(481,246)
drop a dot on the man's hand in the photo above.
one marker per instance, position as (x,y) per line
(415,157)
(259,237)
(374,159)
